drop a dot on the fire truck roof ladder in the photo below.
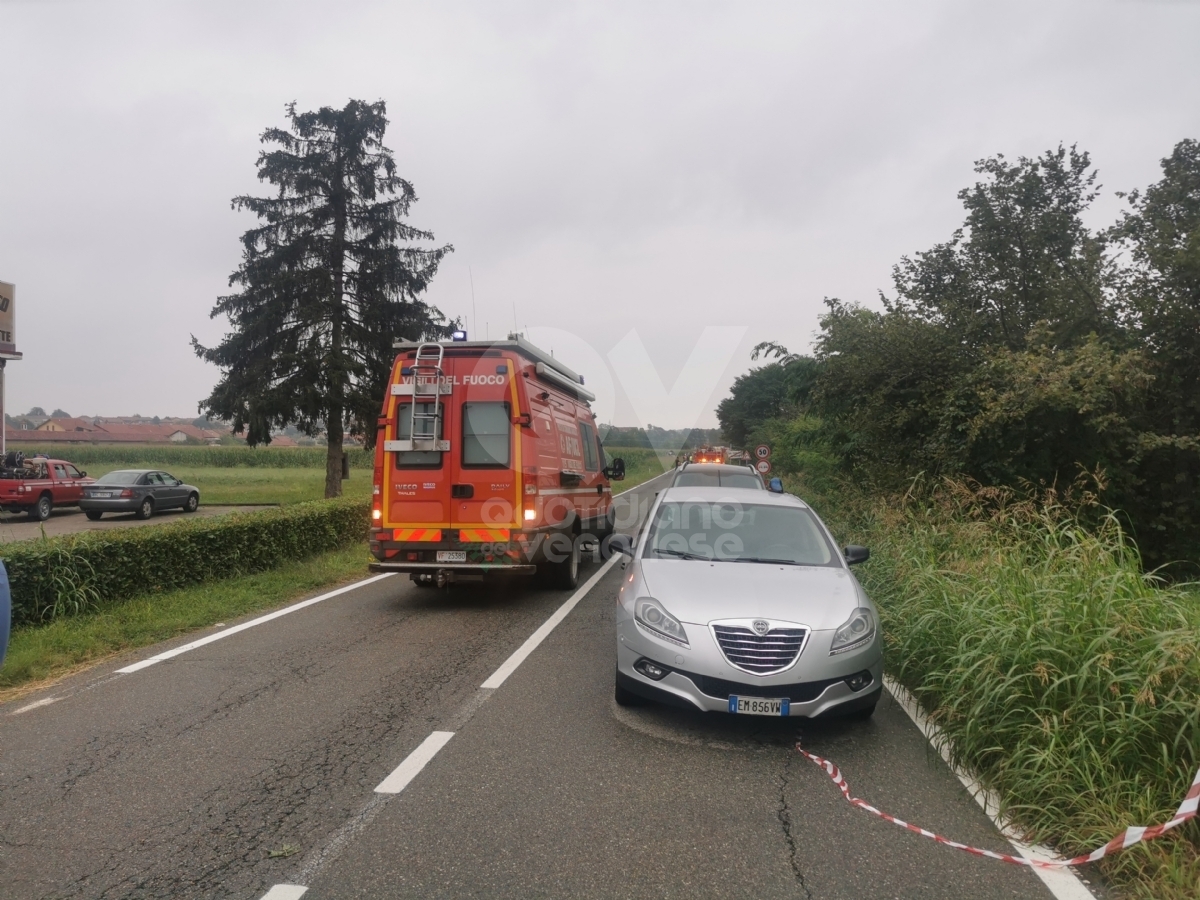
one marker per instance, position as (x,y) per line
(425,412)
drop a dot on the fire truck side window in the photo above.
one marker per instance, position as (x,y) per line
(485,430)
(588,436)
(417,459)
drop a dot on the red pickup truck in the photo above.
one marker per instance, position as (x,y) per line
(38,484)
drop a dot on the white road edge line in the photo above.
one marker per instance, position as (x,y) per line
(1062,883)
(171,654)
(510,665)
(45,701)
(285,892)
(414,763)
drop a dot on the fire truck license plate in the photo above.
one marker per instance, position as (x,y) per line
(452,556)
(757,706)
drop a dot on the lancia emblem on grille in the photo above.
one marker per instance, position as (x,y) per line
(761,627)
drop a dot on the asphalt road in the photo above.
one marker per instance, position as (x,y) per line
(253,762)
(70,520)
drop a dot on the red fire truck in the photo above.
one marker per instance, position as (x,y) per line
(487,460)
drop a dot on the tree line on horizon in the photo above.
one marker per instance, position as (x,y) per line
(1024,350)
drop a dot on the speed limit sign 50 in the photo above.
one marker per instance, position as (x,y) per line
(762,451)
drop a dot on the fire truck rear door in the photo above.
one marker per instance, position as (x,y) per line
(486,489)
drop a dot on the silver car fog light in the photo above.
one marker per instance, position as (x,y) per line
(855,632)
(859,680)
(650,669)
(652,616)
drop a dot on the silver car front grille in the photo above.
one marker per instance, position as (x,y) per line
(760,654)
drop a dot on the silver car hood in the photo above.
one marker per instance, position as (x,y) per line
(697,591)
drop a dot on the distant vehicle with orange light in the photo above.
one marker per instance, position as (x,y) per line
(487,460)
(718,455)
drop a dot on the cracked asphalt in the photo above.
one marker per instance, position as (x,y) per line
(252,761)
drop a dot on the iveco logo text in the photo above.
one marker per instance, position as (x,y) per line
(761,627)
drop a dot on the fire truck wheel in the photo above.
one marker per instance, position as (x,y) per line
(563,575)
(608,524)
(567,575)
(41,512)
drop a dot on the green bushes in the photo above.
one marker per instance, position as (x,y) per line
(167,455)
(68,575)
(1067,679)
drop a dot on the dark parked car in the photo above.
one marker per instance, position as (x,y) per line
(137,490)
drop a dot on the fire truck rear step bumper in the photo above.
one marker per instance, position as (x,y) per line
(450,567)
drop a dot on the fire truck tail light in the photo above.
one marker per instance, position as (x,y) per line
(530,515)
(376,513)
(375,490)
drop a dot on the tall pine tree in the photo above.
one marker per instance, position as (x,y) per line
(328,280)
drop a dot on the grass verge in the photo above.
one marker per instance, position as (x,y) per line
(640,466)
(1066,678)
(51,651)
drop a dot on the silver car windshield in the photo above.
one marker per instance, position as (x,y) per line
(120,477)
(723,479)
(738,532)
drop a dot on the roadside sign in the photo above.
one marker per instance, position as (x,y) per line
(8,321)
(762,451)
(763,466)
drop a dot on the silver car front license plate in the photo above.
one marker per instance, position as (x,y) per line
(452,556)
(759,706)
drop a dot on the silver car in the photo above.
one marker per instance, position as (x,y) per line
(739,601)
(140,491)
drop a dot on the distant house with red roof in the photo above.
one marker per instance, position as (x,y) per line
(132,430)
(71,424)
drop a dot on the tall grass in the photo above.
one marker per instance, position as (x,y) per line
(198,457)
(1066,677)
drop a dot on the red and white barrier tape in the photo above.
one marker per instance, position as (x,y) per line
(1132,835)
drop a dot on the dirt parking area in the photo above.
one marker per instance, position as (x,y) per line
(72,521)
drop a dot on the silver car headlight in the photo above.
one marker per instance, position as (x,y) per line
(652,615)
(855,632)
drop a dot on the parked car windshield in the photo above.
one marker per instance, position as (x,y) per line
(119,478)
(739,532)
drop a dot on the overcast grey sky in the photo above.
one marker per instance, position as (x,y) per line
(662,167)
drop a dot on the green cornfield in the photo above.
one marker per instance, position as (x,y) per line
(166,455)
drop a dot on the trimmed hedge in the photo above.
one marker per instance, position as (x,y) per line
(74,573)
(167,455)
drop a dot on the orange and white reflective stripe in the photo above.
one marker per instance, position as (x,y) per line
(479,535)
(417,534)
